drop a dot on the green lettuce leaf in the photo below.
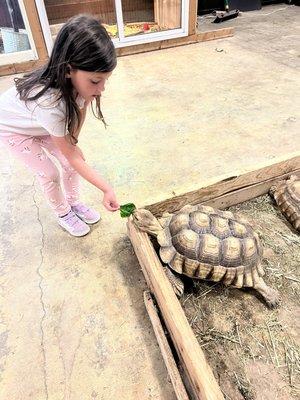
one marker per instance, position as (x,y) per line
(127,209)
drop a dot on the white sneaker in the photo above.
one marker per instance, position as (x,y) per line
(74,225)
(87,214)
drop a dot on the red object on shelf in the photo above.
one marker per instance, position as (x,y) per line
(146,27)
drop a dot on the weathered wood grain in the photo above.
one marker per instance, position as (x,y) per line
(193,360)
(165,349)
(232,190)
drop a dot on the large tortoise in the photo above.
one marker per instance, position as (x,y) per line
(287,196)
(205,243)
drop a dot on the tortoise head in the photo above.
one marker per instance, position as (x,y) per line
(145,221)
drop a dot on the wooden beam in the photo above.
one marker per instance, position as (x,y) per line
(165,349)
(18,68)
(36,29)
(167,13)
(216,34)
(231,190)
(140,48)
(247,193)
(193,360)
(182,41)
(193,16)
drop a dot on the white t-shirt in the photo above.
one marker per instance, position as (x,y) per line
(44,116)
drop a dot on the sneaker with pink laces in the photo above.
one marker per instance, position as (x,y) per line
(88,215)
(74,225)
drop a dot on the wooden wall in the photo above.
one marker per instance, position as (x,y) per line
(133,10)
(193,36)
(168,13)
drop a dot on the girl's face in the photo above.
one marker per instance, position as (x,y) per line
(88,84)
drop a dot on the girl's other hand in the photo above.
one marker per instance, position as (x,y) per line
(110,201)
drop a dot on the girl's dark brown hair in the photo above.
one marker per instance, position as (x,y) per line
(82,43)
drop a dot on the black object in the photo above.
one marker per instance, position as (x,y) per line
(207,6)
(244,5)
(266,2)
(225,15)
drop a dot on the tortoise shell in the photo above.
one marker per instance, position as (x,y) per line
(287,196)
(205,243)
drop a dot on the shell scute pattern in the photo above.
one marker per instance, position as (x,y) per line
(229,276)
(219,226)
(191,267)
(209,249)
(199,221)
(187,242)
(287,196)
(205,243)
(240,229)
(179,222)
(249,251)
(231,252)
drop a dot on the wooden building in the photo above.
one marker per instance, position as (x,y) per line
(134,26)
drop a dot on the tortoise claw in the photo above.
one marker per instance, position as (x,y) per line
(273,300)
(270,295)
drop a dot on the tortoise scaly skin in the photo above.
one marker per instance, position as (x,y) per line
(204,243)
(287,196)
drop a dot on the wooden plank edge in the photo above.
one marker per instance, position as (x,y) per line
(36,29)
(165,44)
(193,6)
(215,34)
(201,378)
(18,68)
(165,349)
(247,193)
(265,177)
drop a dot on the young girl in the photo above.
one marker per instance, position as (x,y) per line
(41,117)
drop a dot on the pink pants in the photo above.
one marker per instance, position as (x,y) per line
(31,151)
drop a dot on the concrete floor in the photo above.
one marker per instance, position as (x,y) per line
(73,324)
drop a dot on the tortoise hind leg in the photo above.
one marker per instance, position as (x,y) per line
(175,281)
(271,296)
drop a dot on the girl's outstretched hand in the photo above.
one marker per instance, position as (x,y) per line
(110,201)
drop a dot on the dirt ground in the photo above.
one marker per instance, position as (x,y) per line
(254,351)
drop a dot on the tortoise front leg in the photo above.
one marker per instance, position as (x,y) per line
(176,282)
